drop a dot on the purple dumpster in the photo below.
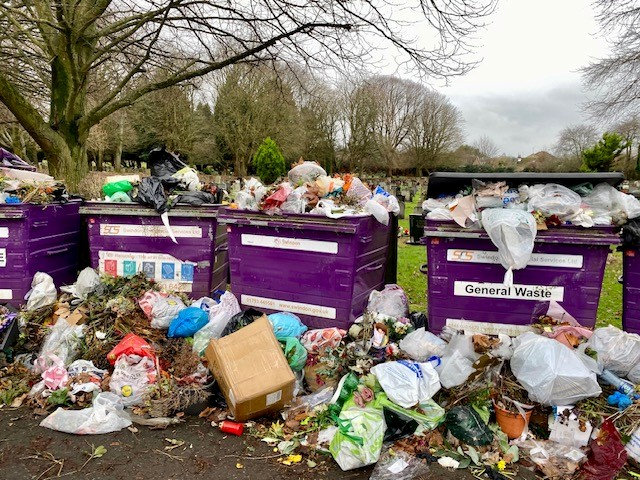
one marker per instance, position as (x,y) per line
(37,238)
(631,290)
(127,238)
(319,268)
(465,277)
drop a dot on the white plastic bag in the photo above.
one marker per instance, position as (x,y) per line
(422,344)
(251,195)
(454,369)
(407,383)
(551,373)
(610,205)
(188,179)
(306,172)
(86,283)
(105,416)
(131,378)
(379,212)
(219,316)
(62,341)
(359,191)
(43,292)
(440,214)
(553,199)
(513,232)
(618,351)
(160,308)
(391,301)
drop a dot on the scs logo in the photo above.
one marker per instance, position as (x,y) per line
(110,229)
(461,256)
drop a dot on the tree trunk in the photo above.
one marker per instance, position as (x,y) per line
(239,166)
(117,158)
(99,158)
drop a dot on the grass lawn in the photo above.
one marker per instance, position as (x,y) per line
(410,257)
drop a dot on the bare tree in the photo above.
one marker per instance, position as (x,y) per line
(486,147)
(437,129)
(615,80)
(630,131)
(51,49)
(360,112)
(575,139)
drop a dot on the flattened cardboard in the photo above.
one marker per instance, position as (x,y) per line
(252,371)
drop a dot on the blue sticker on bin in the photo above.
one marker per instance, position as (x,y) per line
(168,271)
(128,268)
(186,272)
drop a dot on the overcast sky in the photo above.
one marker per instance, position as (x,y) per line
(527,87)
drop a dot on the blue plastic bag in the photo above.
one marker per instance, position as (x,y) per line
(188,322)
(286,324)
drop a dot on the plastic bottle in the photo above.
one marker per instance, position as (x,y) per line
(234,428)
(623,386)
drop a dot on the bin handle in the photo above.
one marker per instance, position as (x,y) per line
(366,238)
(222,248)
(423,269)
(56,252)
(374,268)
(42,223)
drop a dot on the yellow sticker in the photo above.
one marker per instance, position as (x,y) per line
(126,390)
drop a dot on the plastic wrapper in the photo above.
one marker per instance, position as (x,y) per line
(610,206)
(306,403)
(618,351)
(391,301)
(465,424)
(131,344)
(131,378)
(399,465)
(358,441)
(407,383)
(187,323)
(454,369)
(607,455)
(240,320)
(316,340)
(106,415)
(294,352)
(160,308)
(551,373)
(421,344)
(553,199)
(553,459)
(219,317)
(513,232)
(286,324)
(306,172)
(62,341)
(43,292)
(359,192)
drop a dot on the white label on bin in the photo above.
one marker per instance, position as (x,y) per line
(470,327)
(3,257)
(168,271)
(4,232)
(301,244)
(499,290)
(123,230)
(286,306)
(6,294)
(274,397)
(536,259)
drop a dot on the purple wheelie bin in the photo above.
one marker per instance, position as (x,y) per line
(465,277)
(127,238)
(631,290)
(37,238)
(319,268)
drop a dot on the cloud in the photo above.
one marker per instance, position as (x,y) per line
(522,122)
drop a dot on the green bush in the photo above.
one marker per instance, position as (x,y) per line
(269,162)
(600,157)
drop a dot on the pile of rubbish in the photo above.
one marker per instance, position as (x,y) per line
(512,217)
(20,183)
(308,189)
(108,351)
(171,182)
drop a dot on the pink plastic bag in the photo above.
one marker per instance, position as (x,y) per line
(55,376)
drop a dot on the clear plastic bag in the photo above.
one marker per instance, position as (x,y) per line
(391,301)
(513,232)
(43,292)
(88,280)
(359,191)
(551,373)
(188,178)
(618,351)
(219,316)
(62,341)
(160,308)
(609,205)
(399,465)
(407,383)
(454,369)
(553,199)
(422,344)
(105,416)
(295,202)
(306,172)
(251,195)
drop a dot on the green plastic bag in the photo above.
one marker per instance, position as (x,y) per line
(432,417)
(346,386)
(466,425)
(295,352)
(358,441)
(122,186)
(120,197)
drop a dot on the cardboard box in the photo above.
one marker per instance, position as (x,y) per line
(252,371)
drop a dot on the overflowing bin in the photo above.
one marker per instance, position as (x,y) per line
(321,269)
(465,277)
(37,238)
(127,238)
